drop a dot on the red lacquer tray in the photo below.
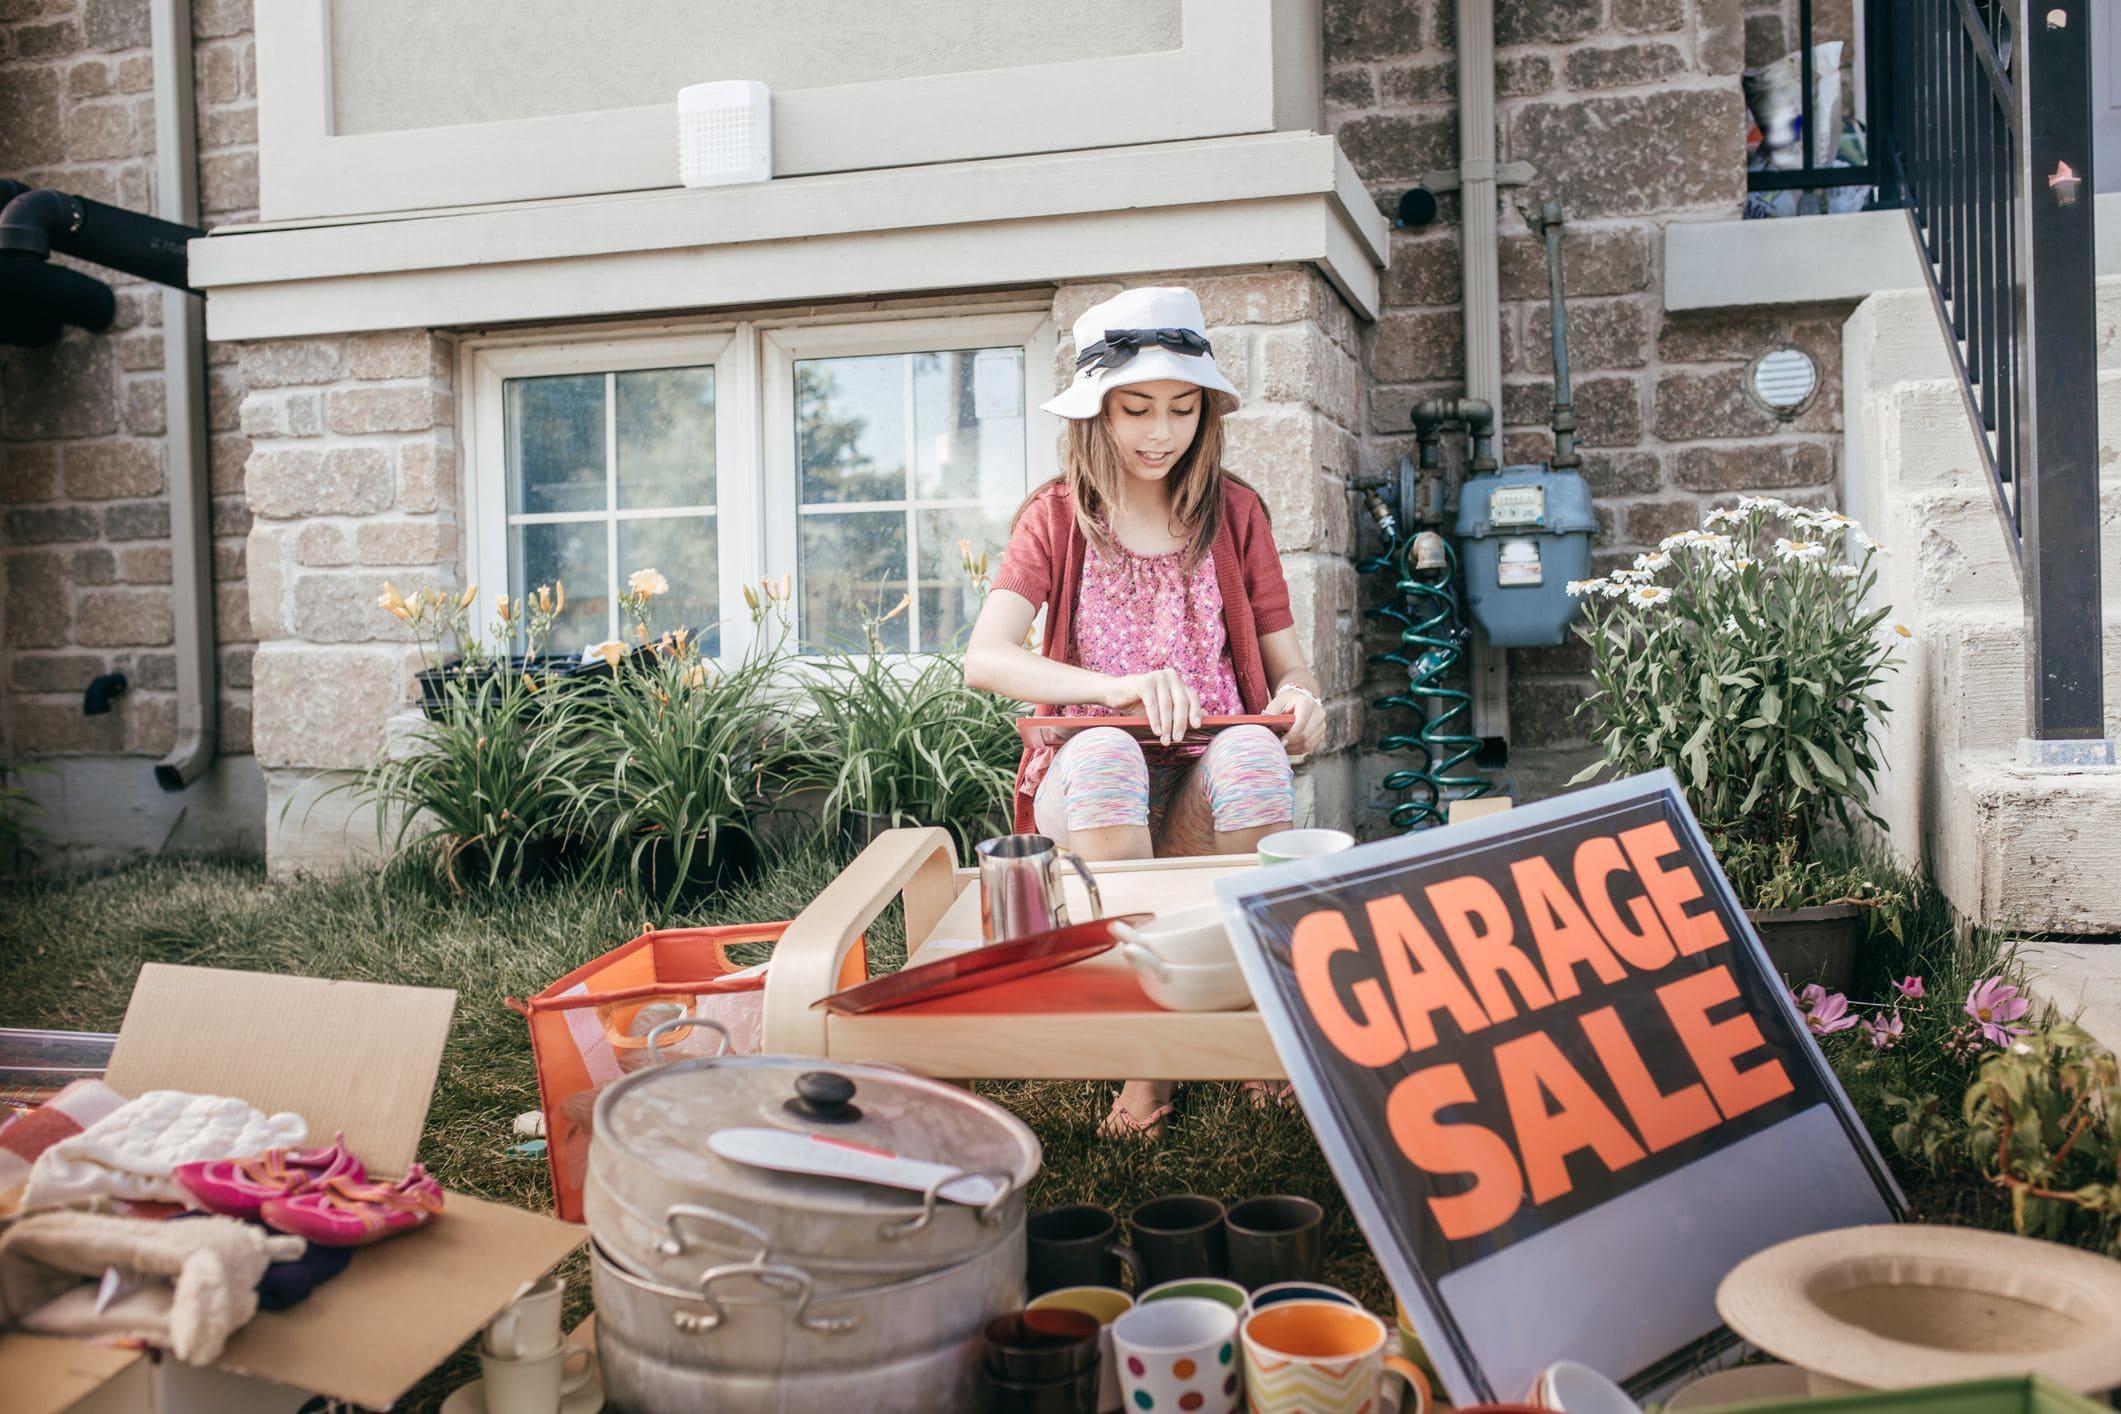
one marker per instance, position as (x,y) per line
(1052,731)
(980,967)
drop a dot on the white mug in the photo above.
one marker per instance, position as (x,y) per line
(530,1324)
(1285,845)
(536,1385)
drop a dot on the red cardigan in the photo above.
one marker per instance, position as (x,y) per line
(1044,564)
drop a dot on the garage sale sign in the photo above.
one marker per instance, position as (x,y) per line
(1556,1076)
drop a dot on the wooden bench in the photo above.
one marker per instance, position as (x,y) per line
(1089,1021)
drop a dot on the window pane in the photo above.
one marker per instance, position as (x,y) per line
(555,443)
(850,428)
(666,437)
(855,558)
(968,424)
(683,549)
(573,554)
(949,602)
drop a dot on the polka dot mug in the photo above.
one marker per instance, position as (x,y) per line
(1178,1357)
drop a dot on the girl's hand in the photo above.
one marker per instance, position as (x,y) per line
(1310,728)
(1164,699)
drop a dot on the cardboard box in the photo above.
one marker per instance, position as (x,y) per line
(356,1057)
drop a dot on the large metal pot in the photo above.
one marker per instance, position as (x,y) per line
(727,1286)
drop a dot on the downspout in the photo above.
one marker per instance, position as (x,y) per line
(184,381)
(1479,235)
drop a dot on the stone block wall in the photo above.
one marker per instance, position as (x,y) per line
(1631,114)
(353,481)
(84,464)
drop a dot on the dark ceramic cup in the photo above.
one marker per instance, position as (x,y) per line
(1275,1239)
(1180,1236)
(1077,1245)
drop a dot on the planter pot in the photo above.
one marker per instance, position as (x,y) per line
(735,855)
(543,860)
(434,682)
(1812,944)
(858,828)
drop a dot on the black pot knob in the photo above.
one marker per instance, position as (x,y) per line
(825,1096)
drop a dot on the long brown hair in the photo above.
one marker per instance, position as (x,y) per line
(1093,470)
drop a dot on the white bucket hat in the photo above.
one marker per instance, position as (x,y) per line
(1140,336)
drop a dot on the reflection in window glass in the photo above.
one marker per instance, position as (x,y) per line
(609,473)
(932,446)
(666,437)
(555,443)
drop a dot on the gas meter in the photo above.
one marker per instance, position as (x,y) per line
(1523,533)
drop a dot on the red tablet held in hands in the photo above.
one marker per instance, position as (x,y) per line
(1052,731)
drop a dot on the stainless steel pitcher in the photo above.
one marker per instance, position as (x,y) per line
(1020,886)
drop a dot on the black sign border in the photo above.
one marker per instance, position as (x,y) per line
(1278,882)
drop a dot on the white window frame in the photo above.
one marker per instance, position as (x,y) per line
(754,382)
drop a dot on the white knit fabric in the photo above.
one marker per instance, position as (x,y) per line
(131,1152)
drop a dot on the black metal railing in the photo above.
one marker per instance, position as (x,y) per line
(1877,119)
(1991,146)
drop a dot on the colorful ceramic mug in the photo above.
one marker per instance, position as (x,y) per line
(1229,1293)
(1274,1293)
(1178,1357)
(1106,1304)
(1321,1357)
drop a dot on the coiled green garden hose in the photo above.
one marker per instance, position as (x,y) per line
(1432,636)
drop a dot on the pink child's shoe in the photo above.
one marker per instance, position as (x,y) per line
(349,1212)
(236,1188)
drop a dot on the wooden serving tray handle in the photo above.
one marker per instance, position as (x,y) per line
(918,863)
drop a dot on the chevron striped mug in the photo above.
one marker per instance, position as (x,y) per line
(1322,1357)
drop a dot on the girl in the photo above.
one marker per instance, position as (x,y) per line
(1164,599)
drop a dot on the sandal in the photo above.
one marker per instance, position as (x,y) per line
(1266,1094)
(349,1213)
(235,1188)
(1122,1122)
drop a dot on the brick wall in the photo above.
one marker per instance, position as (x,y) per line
(1631,113)
(83,460)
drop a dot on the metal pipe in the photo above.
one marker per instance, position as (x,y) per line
(1481,263)
(184,378)
(46,297)
(36,223)
(1563,419)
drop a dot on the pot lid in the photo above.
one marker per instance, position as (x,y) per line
(664,1117)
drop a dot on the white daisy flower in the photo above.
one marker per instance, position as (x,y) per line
(1578,588)
(1650,564)
(1721,515)
(1844,571)
(1799,550)
(1864,542)
(1633,576)
(1734,564)
(1649,595)
(1730,624)
(1612,588)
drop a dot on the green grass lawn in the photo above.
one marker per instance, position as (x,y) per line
(70,950)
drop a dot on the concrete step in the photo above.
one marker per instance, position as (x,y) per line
(2081,981)
(2031,850)
(1980,658)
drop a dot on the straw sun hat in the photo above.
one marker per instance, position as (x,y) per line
(1891,1307)
(1140,336)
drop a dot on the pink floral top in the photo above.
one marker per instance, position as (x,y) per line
(1136,613)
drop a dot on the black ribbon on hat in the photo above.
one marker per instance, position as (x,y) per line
(1120,345)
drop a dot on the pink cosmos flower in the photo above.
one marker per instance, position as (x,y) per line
(1994,1004)
(1825,1012)
(1909,987)
(1884,1032)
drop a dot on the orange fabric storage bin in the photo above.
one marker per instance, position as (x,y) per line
(580,1026)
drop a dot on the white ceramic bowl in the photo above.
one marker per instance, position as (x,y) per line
(1187,936)
(1175,986)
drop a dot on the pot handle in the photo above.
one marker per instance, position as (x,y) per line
(1082,869)
(1142,958)
(655,1053)
(988,1215)
(769,1274)
(674,1245)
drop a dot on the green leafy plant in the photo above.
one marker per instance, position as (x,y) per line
(2044,1124)
(670,770)
(907,743)
(1742,657)
(484,785)
(16,807)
